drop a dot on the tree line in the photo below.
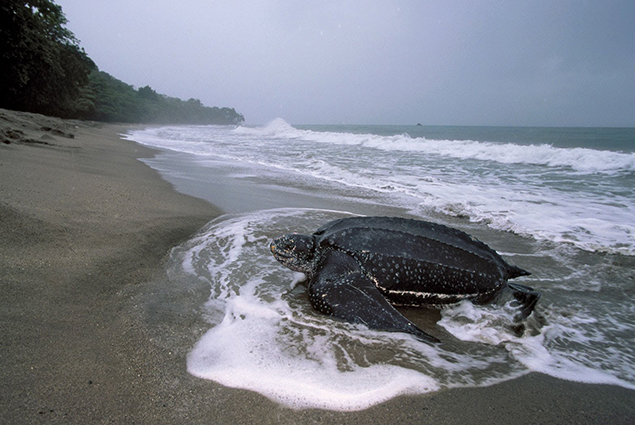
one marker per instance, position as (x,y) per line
(45,70)
(113,100)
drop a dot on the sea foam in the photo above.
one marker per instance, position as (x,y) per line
(579,196)
(265,337)
(580,159)
(567,203)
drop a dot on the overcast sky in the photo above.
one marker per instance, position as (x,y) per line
(540,63)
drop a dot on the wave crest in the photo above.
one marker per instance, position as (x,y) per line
(584,160)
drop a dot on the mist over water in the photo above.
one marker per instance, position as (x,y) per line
(561,210)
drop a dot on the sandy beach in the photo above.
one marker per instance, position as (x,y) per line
(89,328)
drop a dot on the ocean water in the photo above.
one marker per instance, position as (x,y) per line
(559,202)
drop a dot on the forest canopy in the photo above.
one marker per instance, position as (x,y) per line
(113,100)
(46,71)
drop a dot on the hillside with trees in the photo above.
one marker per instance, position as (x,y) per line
(45,70)
(112,100)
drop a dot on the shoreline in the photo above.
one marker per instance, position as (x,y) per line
(85,226)
(89,328)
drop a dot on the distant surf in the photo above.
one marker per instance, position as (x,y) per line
(576,195)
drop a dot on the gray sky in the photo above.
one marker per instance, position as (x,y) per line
(542,63)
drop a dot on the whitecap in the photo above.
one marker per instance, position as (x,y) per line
(265,337)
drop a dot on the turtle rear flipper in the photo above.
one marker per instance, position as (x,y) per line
(525,298)
(339,289)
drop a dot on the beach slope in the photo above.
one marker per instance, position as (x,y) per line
(93,330)
(83,224)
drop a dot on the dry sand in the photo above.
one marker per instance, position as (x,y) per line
(88,332)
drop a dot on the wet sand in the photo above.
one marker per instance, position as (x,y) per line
(92,330)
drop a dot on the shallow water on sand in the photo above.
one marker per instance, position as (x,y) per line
(264,335)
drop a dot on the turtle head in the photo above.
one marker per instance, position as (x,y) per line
(294,251)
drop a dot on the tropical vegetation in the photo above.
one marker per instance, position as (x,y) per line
(45,70)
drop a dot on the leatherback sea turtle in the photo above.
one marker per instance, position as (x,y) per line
(359,267)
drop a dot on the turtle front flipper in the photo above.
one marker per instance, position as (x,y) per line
(339,288)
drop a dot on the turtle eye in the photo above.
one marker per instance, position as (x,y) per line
(280,245)
(296,245)
(294,251)
(303,246)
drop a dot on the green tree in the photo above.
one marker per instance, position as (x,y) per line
(148,94)
(44,70)
(114,100)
